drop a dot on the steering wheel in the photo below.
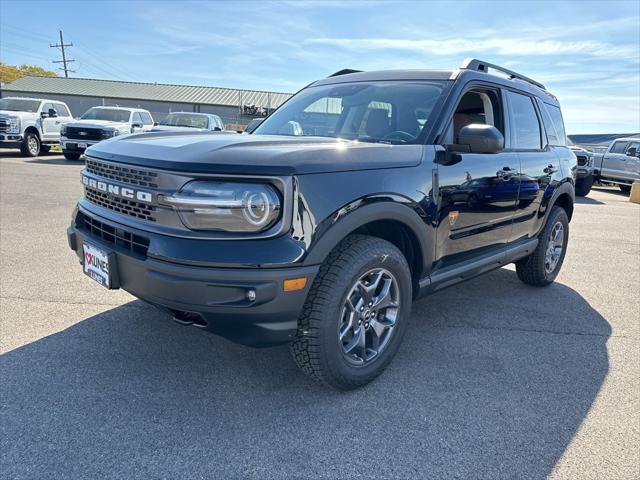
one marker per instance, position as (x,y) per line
(399,135)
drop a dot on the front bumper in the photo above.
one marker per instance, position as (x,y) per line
(583,172)
(73,145)
(10,140)
(218,298)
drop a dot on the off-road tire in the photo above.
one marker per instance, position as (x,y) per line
(583,186)
(625,188)
(316,349)
(531,270)
(30,138)
(72,155)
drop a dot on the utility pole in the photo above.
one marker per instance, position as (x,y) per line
(64,60)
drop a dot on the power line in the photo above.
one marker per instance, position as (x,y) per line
(64,60)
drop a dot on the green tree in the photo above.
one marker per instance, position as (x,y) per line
(9,73)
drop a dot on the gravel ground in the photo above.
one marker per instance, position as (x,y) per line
(495,379)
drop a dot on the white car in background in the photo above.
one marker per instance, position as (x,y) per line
(31,124)
(186,121)
(101,123)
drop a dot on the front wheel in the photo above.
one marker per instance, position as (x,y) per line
(30,145)
(356,313)
(543,265)
(71,155)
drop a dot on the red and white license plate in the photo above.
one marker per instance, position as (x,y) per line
(96,264)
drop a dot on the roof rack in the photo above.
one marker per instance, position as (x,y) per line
(480,66)
(344,71)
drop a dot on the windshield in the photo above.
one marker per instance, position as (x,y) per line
(186,120)
(19,105)
(387,112)
(107,114)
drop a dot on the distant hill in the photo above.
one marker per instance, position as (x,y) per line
(599,138)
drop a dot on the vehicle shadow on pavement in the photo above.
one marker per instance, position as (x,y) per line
(588,201)
(493,380)
(54,161)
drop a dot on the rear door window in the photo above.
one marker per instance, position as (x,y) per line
(62,110)
(524,119)
(558,123)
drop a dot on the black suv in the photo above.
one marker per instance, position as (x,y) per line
(363,192)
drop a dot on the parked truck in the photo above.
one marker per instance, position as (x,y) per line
(31,124)
(620,164)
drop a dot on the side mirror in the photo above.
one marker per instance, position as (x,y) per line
(632,152)
(136,125)
(155,124)
(481,138)
(217,129)
(53,113)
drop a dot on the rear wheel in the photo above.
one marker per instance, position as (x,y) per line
(583,186)
(543,265)
(30,145)
(625,188)
(71,155)
(356,313)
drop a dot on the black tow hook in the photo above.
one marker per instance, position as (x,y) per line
(189,318)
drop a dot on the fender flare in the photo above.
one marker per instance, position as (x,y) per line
(371,212)
(34,128)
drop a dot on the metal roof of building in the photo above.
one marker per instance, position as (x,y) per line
(158,92)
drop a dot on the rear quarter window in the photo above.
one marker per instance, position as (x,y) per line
(553,124)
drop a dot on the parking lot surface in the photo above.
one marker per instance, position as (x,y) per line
(495,379)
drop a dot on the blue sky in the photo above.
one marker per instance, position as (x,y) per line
(587,53)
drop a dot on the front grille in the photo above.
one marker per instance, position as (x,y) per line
(113,235)
(120,205)
(4,126)
(582,160)
(122,174)
(81,133)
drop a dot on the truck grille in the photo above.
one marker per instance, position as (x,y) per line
(122,174)
(582,160)
(115,236)
(4,126)
(81,133)
(120,205)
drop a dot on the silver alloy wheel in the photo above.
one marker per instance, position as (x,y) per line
(555,244)
(369,316)
(32,145)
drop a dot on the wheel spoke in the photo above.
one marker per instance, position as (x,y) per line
(384,299)
(347,326)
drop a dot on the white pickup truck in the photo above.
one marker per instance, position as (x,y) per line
(101,123)
(31,124)
(620,164)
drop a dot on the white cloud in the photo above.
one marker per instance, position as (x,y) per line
(495,45)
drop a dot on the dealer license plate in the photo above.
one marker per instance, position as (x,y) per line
(96,264)
(82,145)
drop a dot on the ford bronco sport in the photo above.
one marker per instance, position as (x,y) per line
(363,192)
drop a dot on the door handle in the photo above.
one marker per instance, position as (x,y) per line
(550,169)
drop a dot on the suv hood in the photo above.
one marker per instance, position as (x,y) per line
(98,124)
(230,153)
(174,128)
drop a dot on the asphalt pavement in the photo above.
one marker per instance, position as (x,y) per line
(495,379)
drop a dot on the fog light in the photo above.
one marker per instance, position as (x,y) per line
(294,284)
(251,295)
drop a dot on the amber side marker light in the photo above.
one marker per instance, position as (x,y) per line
(293,284)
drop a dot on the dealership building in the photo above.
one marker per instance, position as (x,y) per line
(234,106)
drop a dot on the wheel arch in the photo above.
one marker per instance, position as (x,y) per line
(564,197)
(32,129)
(395,222)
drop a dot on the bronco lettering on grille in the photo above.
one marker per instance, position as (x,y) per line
(117,190)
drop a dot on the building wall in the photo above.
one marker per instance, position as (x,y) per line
(80,104)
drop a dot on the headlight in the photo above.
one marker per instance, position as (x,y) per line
(227,207)
(13,125)
(109,133)
(63,130)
